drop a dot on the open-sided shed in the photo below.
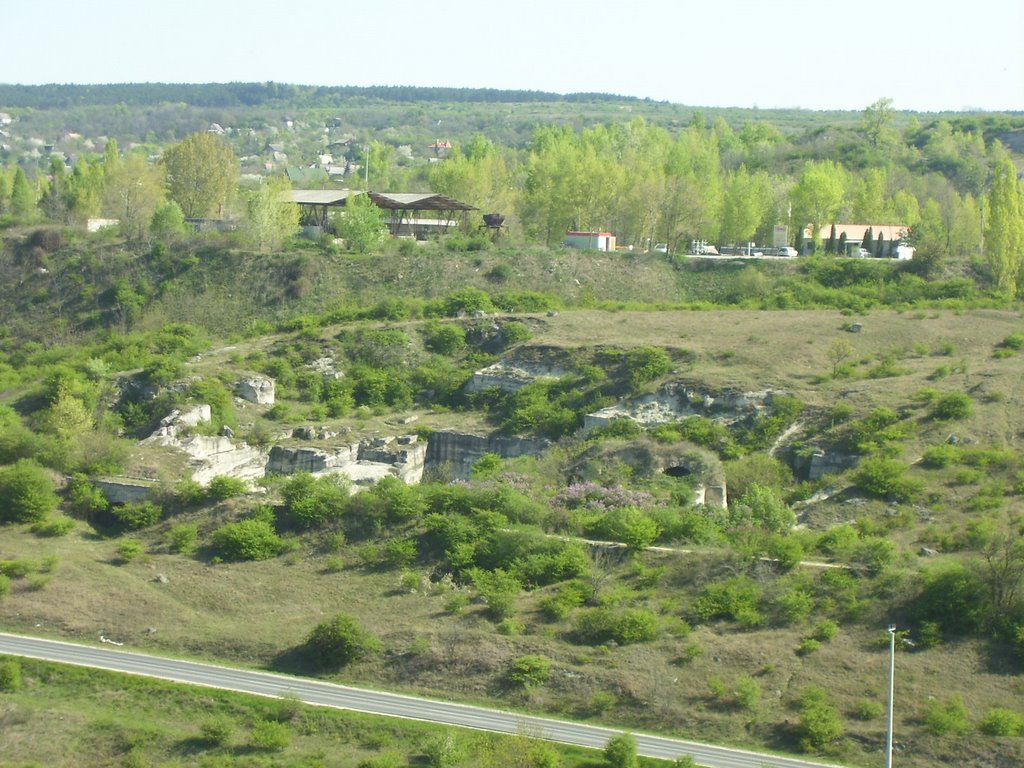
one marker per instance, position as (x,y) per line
(413,213)
(314,203)
(405,211)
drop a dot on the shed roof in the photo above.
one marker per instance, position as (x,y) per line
(319,196)
(417,201)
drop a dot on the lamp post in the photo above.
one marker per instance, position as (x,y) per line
(892,675)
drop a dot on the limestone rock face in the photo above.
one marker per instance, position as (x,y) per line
(512,375)
(192,416)
(459,451)
(364,462)
(677,401)
(256,389)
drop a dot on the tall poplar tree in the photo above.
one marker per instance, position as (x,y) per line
(1004,233)
(23,197)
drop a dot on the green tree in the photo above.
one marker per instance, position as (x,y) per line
(339,641)
(746,205)
(132,190)
(1004,231)
(26,493)
(271,217)
(621,751)
(202,175)
(85,190)
(362,224)
(23,197)
(54,200)
(168,222)
(692,201)
(877,122)
(818,194)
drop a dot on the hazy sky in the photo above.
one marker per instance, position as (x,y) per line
(818,54)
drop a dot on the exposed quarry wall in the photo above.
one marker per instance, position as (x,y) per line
(364,462)
(458,451)
(677,401)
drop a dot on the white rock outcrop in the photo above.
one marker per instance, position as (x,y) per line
(256,389)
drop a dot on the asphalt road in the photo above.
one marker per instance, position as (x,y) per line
(379,703)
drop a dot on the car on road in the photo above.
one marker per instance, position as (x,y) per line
(787,251)
(660,248)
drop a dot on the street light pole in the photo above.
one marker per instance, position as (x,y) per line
(892,675)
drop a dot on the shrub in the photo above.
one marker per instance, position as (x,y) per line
(467,301)
(748,692)
(950,716)
(952,406)
(514,332)
(808,646)
(825,630)
(1002,722)
(5,585)
(223,487)
(1014,341)
(621,751)
(86,499)
(761,507)
(217,731)
(645,364)
(886,477)
(623,626)
(130,549)
(26,493)
(444,338)
(182,538)
(868,709)
(314,501)
(530,670)
(271,735)
(736,598)
(339,641)
(820,724)
(136,515)
(54,526)
(247,540)
(938,456)
(10,676)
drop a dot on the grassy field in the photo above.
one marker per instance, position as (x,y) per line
(67,716)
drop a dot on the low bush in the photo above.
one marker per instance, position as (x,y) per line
(952,406)
(530,670)
(247,540)
(1002,722)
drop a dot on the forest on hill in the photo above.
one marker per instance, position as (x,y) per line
(629,486)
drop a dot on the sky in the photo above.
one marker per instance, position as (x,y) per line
(925,55)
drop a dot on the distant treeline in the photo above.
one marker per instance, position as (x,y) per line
(256,94)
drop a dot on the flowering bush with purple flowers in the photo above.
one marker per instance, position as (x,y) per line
(591,497)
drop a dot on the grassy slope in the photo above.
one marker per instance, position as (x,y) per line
(199,610)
